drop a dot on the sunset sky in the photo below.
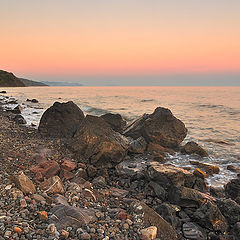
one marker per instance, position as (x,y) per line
(94,41)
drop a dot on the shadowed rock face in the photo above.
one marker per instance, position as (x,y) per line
(98,143)
(115,121)
(61,120)
(160,127)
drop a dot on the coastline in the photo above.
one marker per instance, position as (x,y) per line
(112,197)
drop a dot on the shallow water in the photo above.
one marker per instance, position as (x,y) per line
(208,113)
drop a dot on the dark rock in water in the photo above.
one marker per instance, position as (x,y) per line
(160,127)
(169,213)
(208,168)
(3,92)
(230,209)
(19,119)
(115,121)
(65,216)
(193,231)
(34,100)
(17,110)
(12,102)
(232,188)
(209,216)
(150,218)
(137,146)
(233,169)
(61,120)
(168,175)
(98,143)
(194,148)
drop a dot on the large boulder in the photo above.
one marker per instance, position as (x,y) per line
(61,120)
(160,127)
(98,143)
(168,175)
(115,121)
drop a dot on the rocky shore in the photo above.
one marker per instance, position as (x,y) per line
(88,177)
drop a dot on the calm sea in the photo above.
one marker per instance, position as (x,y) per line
(211,114)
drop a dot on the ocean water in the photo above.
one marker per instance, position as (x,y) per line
(211,114)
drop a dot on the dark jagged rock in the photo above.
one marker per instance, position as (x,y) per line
(98,143)
(194,148)
(169,213)
(19,119)
(160,127)
(61,120)
(68,216)
(3,92)
(8,79)
(116,121)
(158,190)
(230,210)
(232,188)
(151,218)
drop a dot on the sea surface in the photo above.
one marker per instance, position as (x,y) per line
(211,114)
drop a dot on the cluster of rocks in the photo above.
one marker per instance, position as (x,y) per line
(117,183)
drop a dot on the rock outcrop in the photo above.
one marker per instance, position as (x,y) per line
(194,148)
(8,79)
(61,120)
(160,127)
(98,143)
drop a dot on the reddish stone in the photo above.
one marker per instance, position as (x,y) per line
(68,165)
(123,215)
(66,175)
(45,169)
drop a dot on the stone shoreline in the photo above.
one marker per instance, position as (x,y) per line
(51,187)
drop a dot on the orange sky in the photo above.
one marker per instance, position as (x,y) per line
(117,38)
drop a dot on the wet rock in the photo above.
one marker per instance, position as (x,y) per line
(149,233)
(232,188)
(34,100)
(169,213)
(199,173)
(151,218)
(217,192)
(52,185)
(230,209)
(98,143)
(45,169)
(137,146)
(17,110)
(233,169)
(160,127)
(157,150)
(115,121)
(3,92)
(193,231)
(68,165)
(19,119)
(61,120)
(209,168)
(24,183)
(64,216)
(194,148)
(168,175)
